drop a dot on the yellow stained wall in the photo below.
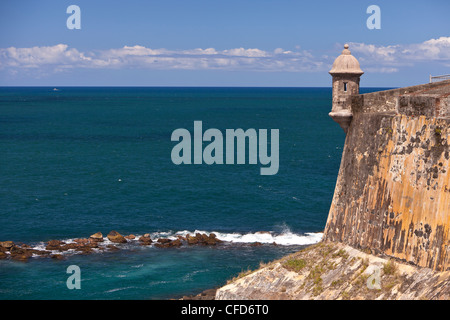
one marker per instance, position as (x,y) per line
(392,195)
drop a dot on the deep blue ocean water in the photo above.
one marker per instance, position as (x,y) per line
(75,161)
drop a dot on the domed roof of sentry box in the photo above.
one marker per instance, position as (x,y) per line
(346,63)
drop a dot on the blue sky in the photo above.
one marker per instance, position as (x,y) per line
(219,43)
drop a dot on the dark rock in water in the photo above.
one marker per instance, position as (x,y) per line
(116,237)
(20,254)
(54,245)
(92,244)
(57,257)
(6,244)
(191,240)
(17,250)
(85,250)
(202,238)
(55,242)
(69,246)
(167,243)
(40,252)
(145,239)
(84,241)
(97,237)
(212,239)
(256,244)
(176,243)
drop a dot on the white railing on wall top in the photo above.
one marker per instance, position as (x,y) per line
(439,78)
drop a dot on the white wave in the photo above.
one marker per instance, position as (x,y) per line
(119,289)
(284,238)
(287,238)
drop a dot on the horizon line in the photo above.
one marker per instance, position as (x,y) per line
(155,86)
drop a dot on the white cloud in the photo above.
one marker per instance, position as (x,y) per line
(200,51)
(133,51)
(430,50)
(37,56)
(373,58)
(61,57)
(241,52)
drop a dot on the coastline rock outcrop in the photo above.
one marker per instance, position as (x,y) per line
(202,238)
(167,243)
(116,237)
(335,271)
(20,254)
(145,239)
(98,236)
(83,241)
(57,249)
(6,245)
(54,245)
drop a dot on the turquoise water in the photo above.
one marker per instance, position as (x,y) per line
(81,160)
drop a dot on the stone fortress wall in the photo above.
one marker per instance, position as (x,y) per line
(392,194)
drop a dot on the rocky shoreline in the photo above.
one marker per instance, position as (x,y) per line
(55,249)
(336,271)
(208,294)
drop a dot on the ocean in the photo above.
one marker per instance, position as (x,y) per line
(79,160)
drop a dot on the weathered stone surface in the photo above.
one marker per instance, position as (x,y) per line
(201,238)
(392,200)
(145,239)
(191,240)
(41,252)
(85,250)
(167,243)
(83,241)
(6,244)
(334,271)
(116,237)
(54,245)
(393,190)
(20,254)
(98,236)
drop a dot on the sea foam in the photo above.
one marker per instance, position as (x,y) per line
(284,238)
